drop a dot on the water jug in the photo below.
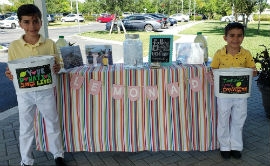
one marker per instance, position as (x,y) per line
(133,51)
(61,42)
(201,39)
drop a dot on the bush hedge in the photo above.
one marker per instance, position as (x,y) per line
(197,18)
(264,17)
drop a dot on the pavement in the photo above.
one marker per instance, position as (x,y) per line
(256,136)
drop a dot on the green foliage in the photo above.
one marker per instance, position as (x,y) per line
(263,60)
(197,18)
(213,9)
(17,4)
(217,17)
(89,18)
(263,17)
(58,6)
(92,7)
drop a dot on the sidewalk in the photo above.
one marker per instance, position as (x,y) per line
(256,136)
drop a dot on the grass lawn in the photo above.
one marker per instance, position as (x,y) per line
(144,36)
(214,30)
(64,24)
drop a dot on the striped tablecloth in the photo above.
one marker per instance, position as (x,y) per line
(101,123)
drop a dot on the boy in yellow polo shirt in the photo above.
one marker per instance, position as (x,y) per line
(232,112)
(34,44)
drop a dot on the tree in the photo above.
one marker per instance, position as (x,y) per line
(58,6)
(91,6)
(18,3)
(244,8)
(262,6)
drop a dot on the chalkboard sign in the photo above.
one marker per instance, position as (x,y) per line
(34,76)
(234,84)
(160,49)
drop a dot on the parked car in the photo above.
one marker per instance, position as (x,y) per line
(50,17)
(104,18)
(72,18)
(172,21)
(180,17)
(137,22)
(9,14)
(2,17)
(10,22)
(227,18)
(231,18)
(163,19)
(125,14)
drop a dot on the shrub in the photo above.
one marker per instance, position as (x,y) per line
(89,18)
(197,17)
(264,17)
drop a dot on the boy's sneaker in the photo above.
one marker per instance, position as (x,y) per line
(236,154)
(225,154)
(59,161)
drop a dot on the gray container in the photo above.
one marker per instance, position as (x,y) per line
(133,51)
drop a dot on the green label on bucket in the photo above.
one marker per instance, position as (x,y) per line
(34,76)
(234,84)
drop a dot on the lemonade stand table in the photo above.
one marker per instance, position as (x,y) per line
(114,121)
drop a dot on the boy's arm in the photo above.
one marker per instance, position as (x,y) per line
(56,66)
(8,74)
(11,56)
(251,64)
(255,72)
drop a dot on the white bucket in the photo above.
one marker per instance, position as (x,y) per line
(33,73)
(233,82)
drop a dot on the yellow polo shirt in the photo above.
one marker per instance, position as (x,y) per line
(223,60)
(19,49)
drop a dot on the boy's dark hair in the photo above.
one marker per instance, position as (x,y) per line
(234,25)
(28,10)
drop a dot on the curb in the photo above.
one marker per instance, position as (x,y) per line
(9,112)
